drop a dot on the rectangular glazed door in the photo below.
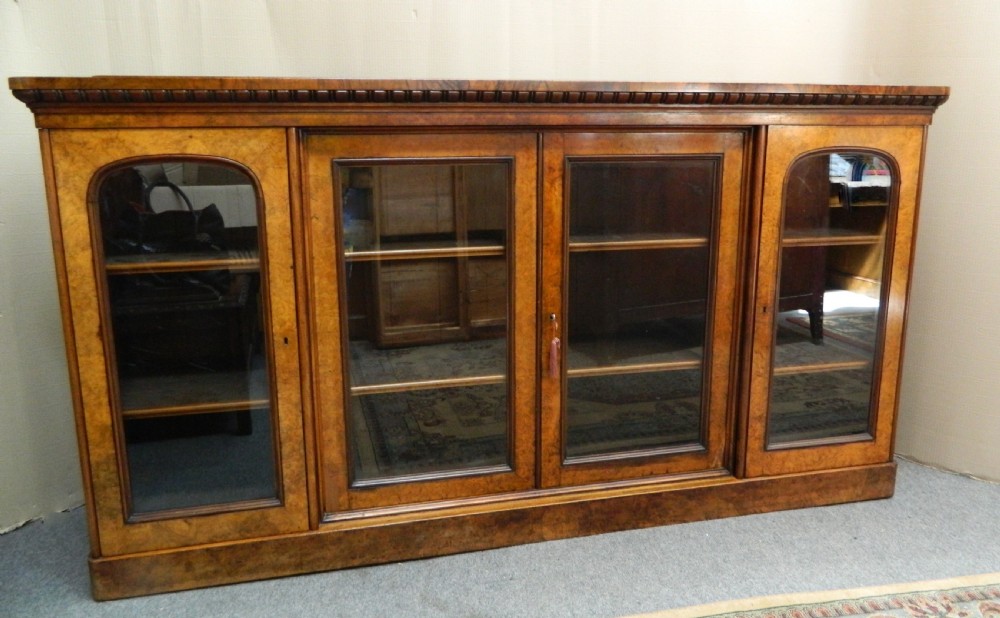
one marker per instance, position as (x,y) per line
(836,234)
(184,333)
(639,262)
(422,275)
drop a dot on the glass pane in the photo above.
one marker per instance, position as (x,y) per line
(638,281)
(425,268)
(672,197)
(183,277)
(632,412)
(414,432)
(835,214)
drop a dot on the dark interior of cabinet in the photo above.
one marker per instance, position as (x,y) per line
(176,304)
(626,290)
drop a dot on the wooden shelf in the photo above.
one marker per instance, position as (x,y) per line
(423,385)
(426,250)
(821,367)
(798,353)
(835,202)
(229,406)
(175,395)
(375,369)
(584,372)
(829,237)
(627,242)
(636,354)
(584,359)
(613,370)
(148,263)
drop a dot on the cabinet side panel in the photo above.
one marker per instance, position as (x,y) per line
(73,365)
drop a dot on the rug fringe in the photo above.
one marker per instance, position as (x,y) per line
(757,604)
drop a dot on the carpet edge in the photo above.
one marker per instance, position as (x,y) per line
(823,596)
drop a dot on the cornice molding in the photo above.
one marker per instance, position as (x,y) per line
(236,91)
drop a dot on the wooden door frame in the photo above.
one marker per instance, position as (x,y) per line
(338,499)
(903,147)
(731,148)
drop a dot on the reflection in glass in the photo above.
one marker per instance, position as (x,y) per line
(639,269)
(633,411)
(424,431)
(826,329)
(425,272)
(183,276)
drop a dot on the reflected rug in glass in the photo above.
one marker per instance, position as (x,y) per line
(431,430)
(436,429)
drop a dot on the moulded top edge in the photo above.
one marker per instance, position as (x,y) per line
(36,91)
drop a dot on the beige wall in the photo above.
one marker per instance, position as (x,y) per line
(949,400)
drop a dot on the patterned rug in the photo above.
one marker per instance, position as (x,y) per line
(976,596)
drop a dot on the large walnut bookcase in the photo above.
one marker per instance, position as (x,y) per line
(626,280)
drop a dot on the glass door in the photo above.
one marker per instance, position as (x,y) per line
(185,333)
(838,207)
(182,268)
(424,285)
(640,251)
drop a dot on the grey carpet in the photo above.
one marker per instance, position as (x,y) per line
(938,525)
